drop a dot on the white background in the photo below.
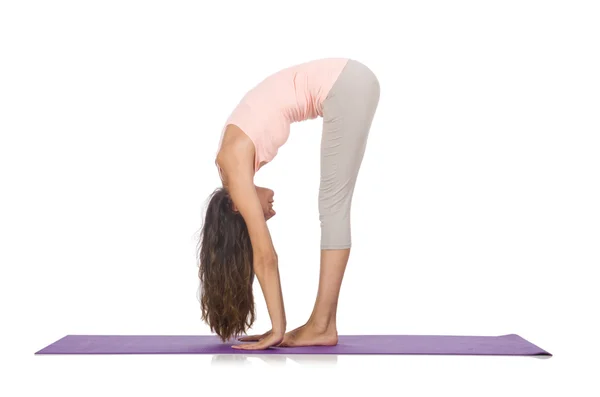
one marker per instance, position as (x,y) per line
(475,213)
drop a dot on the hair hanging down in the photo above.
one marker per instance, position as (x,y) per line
(226,273)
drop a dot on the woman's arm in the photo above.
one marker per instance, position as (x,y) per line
(239,178)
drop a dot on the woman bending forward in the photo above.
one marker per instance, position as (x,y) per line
(236,245)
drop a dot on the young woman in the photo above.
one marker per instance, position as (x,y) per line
(235,243)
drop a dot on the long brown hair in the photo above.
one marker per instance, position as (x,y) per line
(224,253)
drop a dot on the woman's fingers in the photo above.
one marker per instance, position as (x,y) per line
(243,347)
(252,346)
(266,340)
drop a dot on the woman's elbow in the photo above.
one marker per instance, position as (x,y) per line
(265,262)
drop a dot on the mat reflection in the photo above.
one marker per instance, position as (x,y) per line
(274,359)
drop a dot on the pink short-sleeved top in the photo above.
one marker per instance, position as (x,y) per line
(291,95)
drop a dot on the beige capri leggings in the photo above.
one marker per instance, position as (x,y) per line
(348,112)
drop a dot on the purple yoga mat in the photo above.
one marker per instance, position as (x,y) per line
(505,345)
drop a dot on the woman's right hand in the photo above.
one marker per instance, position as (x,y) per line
(268,339)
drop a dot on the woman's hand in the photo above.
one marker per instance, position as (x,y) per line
(264,341)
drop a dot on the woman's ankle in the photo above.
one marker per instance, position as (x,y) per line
(322,325)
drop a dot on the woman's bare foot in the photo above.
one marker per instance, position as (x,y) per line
(310,335)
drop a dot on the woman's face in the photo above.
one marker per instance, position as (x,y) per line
(265,197)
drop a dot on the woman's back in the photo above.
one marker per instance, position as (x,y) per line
(290,95)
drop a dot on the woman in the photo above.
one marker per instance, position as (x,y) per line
(235,243)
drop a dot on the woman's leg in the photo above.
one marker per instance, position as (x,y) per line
(348,113)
